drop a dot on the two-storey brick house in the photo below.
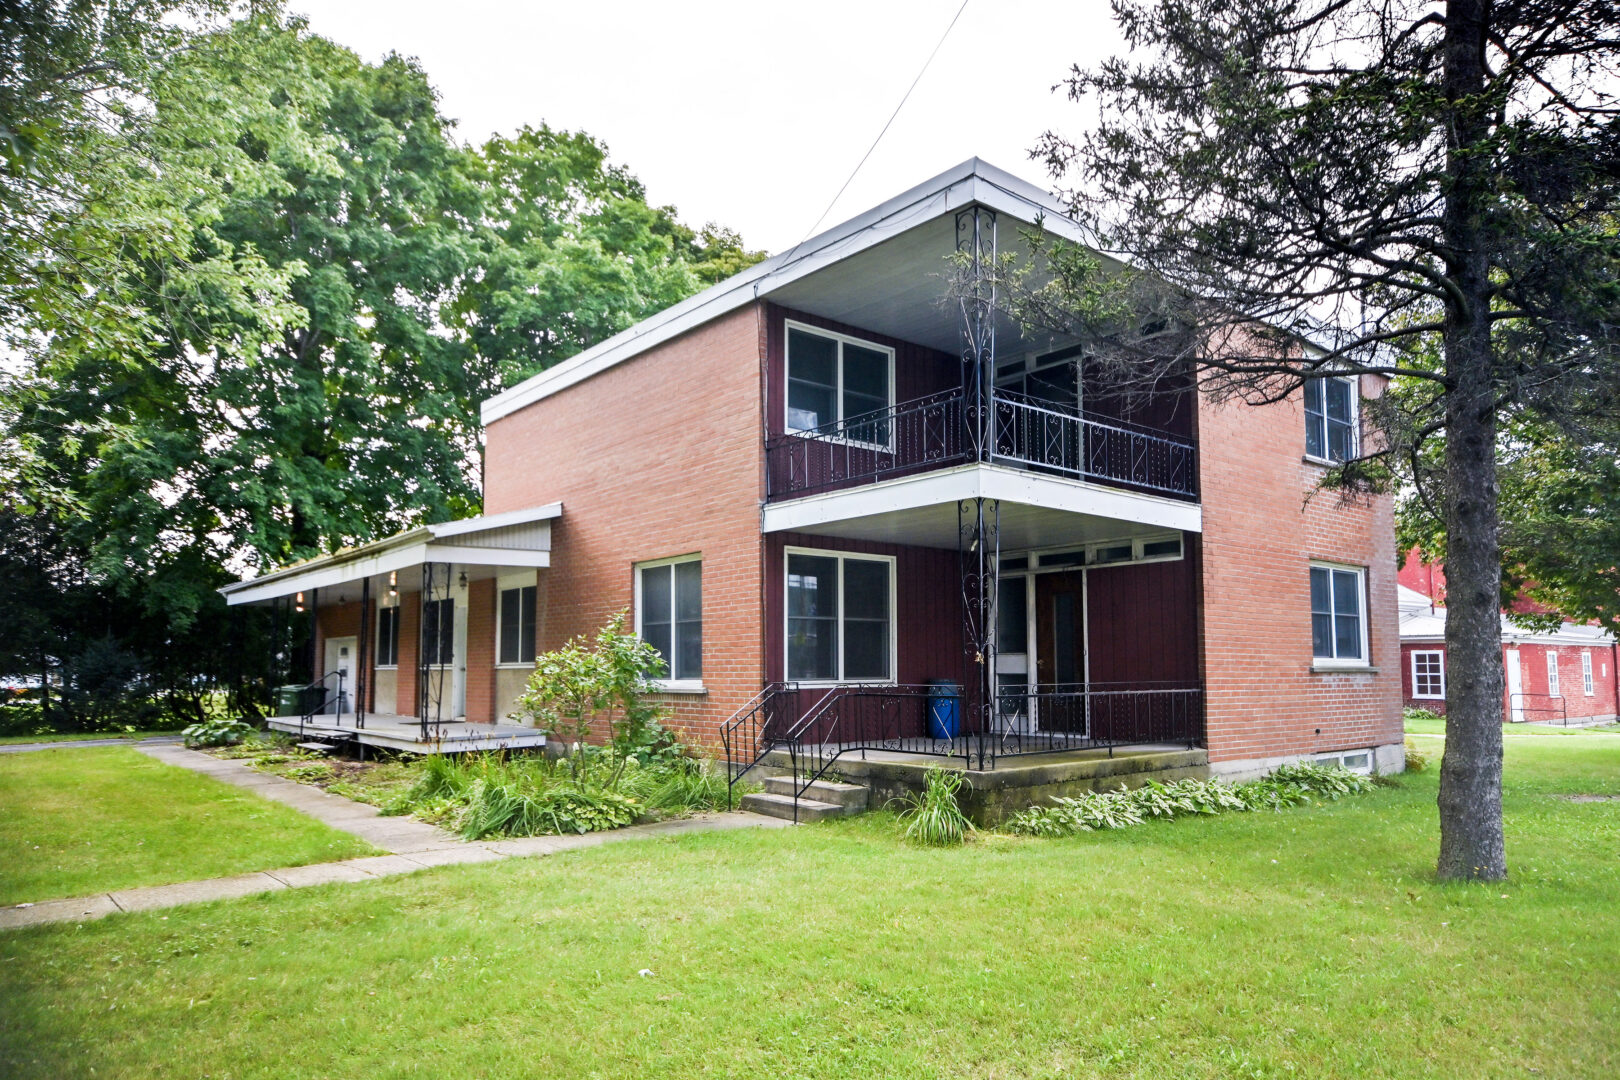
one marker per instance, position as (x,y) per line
(831,481)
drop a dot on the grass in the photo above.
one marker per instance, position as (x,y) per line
(1425,726)
(1309,943)
(76,822)
(78,736)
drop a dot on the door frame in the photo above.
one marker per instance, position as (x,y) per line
(333,660)
(1515,685)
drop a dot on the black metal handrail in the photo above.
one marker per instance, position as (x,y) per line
(1563,708)
(1037,719)
(758,728)
(314,704)
(925,432)
(1039,435)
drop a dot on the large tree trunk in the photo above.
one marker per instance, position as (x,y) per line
(1471,843)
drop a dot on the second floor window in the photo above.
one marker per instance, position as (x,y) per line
(438,632)
(669,614)
(1330,419)
(517,626)
(833,380)
(388,637)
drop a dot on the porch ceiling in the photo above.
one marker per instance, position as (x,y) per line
(1036,511)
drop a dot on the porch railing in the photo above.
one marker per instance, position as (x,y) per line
(814,732)
(1037,434)
(932,432)
(912,436)
(1549,708)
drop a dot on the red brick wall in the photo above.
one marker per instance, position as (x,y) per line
(481,651)
(1264,522)
(1534,683)
(410,641)
(657,456)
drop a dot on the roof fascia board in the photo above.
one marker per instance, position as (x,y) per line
(497,521)
(349,570)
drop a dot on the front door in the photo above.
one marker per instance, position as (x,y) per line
(1515,686)
(1060,650)
(340,656)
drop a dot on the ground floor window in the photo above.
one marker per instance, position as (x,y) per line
(1338,630)
(1552,673)
(438,632)
(1428,673)
(669,614)
(388,637)
(1586,674)
(840,626)
(516,632)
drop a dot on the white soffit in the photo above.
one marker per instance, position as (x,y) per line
(1036,511)
(971,182)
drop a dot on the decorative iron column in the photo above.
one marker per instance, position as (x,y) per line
(976,247)
(979,551)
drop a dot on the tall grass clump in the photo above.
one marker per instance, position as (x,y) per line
(933,816)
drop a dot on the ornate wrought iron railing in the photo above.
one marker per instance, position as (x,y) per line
(934,432)
(912,436)
(1037,434)
(760,726)
(904,719)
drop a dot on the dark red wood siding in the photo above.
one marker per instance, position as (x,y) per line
(1143,621)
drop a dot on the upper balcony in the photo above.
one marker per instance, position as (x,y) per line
(1035,431)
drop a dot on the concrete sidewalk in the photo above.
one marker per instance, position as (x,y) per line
(412,845)
(68,744)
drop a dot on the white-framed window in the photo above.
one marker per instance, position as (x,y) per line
(1331,407)
(669,616)
(439,632)
(838,385)
(515,621)
(1586,674)
(1428,673)
(1161,548)
(1338,615)
(840,616)
(1552,673)
(387,651)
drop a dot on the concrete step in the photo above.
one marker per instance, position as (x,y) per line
(853,796)
(317,747)
(781,806)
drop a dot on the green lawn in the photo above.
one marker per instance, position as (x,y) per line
(1310,943)
(75,822)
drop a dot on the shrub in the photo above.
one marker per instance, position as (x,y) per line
(1289,785)
(218,731)
(1416,760)
(933,817)
(1422,715)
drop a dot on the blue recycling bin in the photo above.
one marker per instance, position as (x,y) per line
(944,709)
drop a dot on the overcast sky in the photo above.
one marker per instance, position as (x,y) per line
(751,115)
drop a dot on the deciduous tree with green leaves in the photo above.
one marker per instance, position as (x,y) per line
(1422,190)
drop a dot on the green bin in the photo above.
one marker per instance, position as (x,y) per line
(289,700)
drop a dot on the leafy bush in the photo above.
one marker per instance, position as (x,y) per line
(933,817)
(1416,760)
(1289,785)
(1421,715)
(595,788)
(218,731)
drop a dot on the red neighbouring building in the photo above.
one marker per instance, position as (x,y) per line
(825,486)
(1570,675)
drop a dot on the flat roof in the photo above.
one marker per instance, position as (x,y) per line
(972,182)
